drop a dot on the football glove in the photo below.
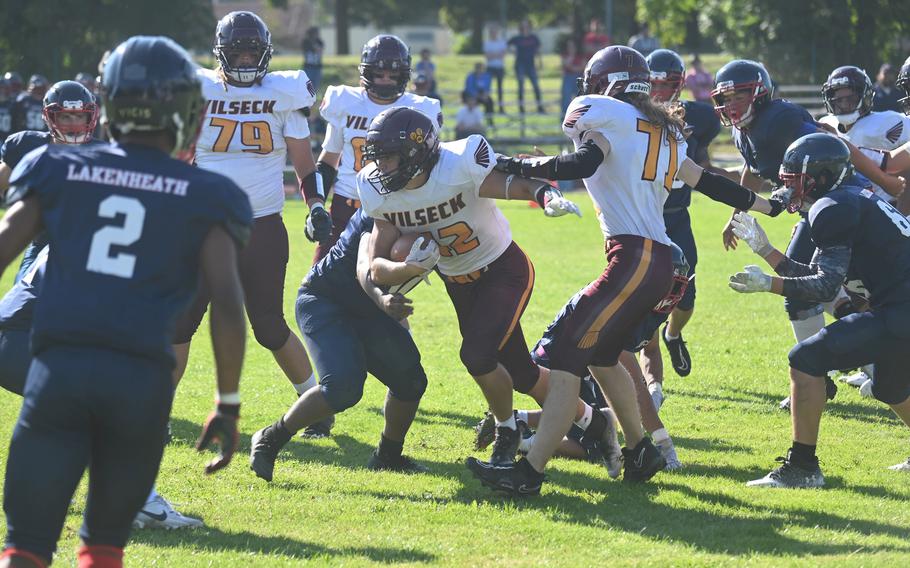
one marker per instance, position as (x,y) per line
(424,253)
(747,228)
(782,196)
(221,428)
(752,280)
(318,224)
(553,203)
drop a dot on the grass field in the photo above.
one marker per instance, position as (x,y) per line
(324,508)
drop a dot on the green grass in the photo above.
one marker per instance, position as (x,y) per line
(325,508)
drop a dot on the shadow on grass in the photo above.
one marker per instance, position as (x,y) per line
(250,543)
(439,417)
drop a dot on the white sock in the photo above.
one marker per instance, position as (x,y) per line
(524,446)
(522,415)
(585,419)
(806,328)
(656,387)
(660,435)
(510,423)
(668,336)
(152,495)
(306,385)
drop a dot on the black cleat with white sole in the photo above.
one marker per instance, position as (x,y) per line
(318,430)
(399,464)
(505,446)
(789,475)
(642,462)
(679,354)
(517,479)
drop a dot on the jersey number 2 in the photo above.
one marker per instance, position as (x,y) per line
(655,137)
(100,258)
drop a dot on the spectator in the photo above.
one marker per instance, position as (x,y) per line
(643,41)
(478,85)
(527,60)
(494,49)
(427,68)
(886,95)
(313,47)
(573,67)
(699,81)
(594,40)
(423,87)
(468,119)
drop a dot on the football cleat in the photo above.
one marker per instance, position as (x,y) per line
(903,466)
(642,462)
(668,451)
(611,448)
(790,476)
(399,464)
(265,445)
(865,389)
(784,404)
(656,390)
(679,354)
(318,430)
(516,479)
(856,379)
(485,431)
(505,446)
(159,514)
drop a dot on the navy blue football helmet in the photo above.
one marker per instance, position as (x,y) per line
(668,74)
(814,165)
(741,88)
(70,97)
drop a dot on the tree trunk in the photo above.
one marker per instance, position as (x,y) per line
(478,18)
(342,23)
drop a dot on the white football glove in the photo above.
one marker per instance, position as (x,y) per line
(558,206)
(752,280)
(424,253)
(747,228)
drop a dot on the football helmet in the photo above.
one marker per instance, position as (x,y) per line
(668,75)
(407,134)
(680,282)
(5,91)
(903,83)
(38,84)
(741,77)
(242,32)
(385,52)
(848,109)
(70,97)
(814,165)
(149,84)
(615,71)
(15,82)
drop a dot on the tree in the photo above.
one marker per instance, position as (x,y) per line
(59,38)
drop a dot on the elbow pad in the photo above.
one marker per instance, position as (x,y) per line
(726,191)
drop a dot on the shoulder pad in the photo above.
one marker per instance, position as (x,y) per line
(593,111)
(294,88)
(829,120)
(427,105)
(336,102)
(833,220)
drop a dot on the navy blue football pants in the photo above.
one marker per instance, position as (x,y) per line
(679,229)
(85,408)
(801,249)
(344,346)
(15,357)
(878,336)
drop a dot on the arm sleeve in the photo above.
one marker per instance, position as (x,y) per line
(725,191)
(825,276)
(579,164)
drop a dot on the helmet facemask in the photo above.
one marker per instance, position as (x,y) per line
(73,132)
(409,166)
(736,110)
(399,72)
(666,87)
(248,74)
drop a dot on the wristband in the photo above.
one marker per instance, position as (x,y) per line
(232,410)
(228,398)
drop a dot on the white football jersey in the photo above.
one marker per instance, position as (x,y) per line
(630,186)
(884,130)
(471,230)
(244,128)
(349,110)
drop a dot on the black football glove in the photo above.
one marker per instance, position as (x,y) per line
(780,200)
(508,164)
(220,427)
(318,224)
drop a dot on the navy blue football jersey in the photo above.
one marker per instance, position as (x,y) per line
(28,113)
(335,275)
(773,129)
(126,225)
(704,126)
(877,233)
(6,119)
(18,304)
(16,146)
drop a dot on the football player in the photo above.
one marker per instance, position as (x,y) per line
(70,113)
(385,69)
(350,329)
(130,230)
(253,122)
(6,116)
(444,193)
(702,125)
(854,231)
(628,183)
(28,108)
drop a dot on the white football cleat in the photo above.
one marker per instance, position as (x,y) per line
(159,514)
(790,476)
(903,466)
(856,379)
(657,395)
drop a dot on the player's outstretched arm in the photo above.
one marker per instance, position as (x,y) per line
(498,185)
(721,188)
(396,306)
(877,165)
(21,223)
(228,328)
(580,164)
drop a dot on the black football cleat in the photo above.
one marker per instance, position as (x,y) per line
(505,446)
(679,354)
(485,431)
(321,429)
(515,479)
(399,463)
(642,462)
(791,476)
(265,445)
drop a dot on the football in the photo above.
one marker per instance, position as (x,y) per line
(402,246)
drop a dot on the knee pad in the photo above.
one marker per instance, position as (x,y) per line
(271,331)
(811,356)
(478,361)
(411,386)
(342,395)
(801,310)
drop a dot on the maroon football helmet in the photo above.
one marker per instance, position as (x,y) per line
(614,71)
